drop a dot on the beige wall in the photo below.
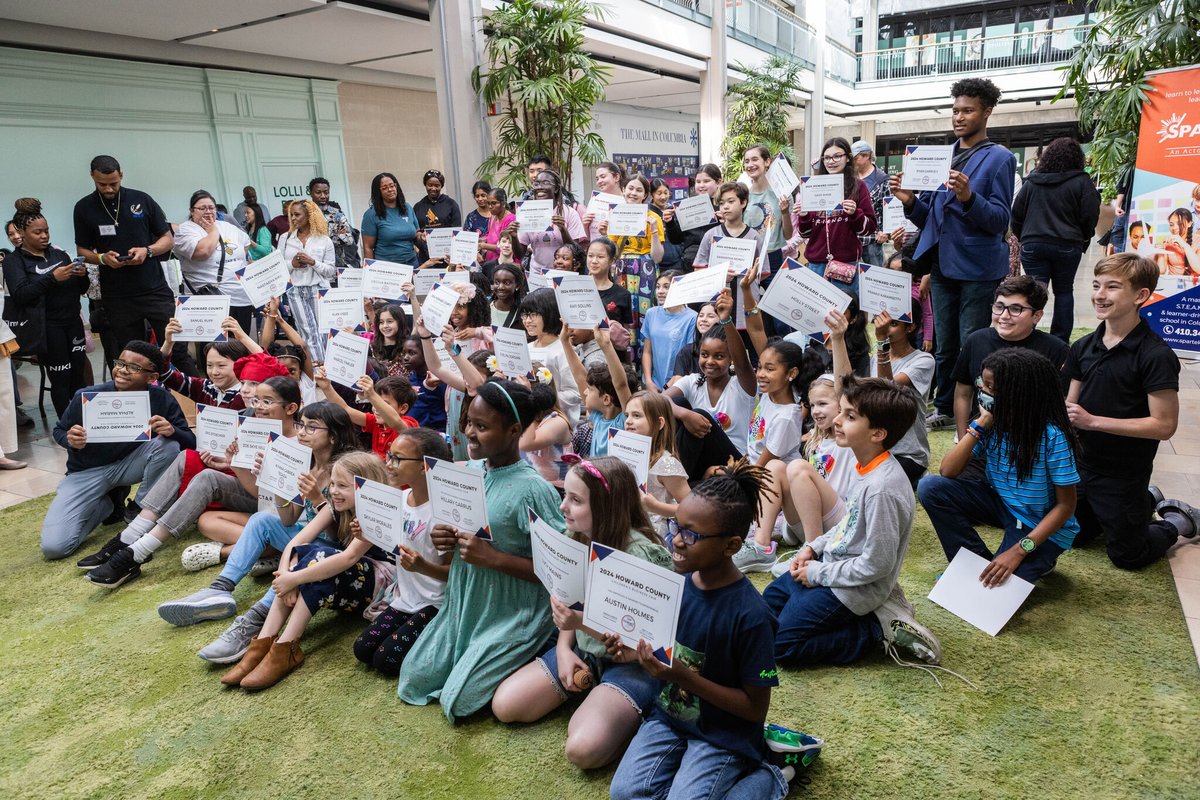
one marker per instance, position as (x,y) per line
(387,130)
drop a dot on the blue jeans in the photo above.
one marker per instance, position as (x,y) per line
(818,268)
(873,253)
(814,626)
(663,763)
(953,505)
(630,680)
(263,529)
(959,309)
(1055,264)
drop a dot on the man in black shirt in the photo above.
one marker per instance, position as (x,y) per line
(127,234)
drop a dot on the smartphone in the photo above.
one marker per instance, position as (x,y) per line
(124,258)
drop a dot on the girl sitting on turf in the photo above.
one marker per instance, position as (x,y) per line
(600,504)
(650,414)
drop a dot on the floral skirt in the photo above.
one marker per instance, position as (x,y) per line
(351,590)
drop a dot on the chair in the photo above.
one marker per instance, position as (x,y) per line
(44,384)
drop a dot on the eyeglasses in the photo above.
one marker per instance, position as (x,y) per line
(1015,310)
(132,368)
(396,461)
(254,402)
(838,157)
(204,208)
(688,535)
(308,427)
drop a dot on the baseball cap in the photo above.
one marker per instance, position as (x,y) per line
(860,147)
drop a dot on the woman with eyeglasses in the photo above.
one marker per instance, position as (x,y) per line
(565,224)
(834,247)
(389,227)
(210,252)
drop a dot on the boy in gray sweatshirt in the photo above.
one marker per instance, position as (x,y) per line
(824,603)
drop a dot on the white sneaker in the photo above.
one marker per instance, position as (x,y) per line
(752,558)
(938,420)
(200,556)
(264,566)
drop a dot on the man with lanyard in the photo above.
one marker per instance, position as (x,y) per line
(862,159)
(340,231)
(963,228)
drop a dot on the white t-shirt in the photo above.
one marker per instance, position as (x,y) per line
(836,465)
(204,271)
(555,360)
(919,367)
(412,591)
(732,410)
(320,249)
(777,428)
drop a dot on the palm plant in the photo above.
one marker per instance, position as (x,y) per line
(546,85)
(759,115)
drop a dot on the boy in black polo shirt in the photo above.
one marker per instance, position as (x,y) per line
(1124,400)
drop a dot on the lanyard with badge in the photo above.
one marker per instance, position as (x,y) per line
(110,230)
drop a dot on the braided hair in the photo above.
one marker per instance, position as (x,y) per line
(738,488)
(29,209)
(1028,391)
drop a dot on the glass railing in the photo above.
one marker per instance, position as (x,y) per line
(771,29)
(699,10)
(962,54)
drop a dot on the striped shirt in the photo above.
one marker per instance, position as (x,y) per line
(1031,499)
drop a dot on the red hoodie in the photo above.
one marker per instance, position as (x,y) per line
(835,232)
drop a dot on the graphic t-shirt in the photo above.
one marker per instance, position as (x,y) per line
(413,591)
(731,411)
(836,465)
(775,427)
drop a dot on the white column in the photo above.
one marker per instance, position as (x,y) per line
(866,131)
(457,39)
(714,83)
(870,39)
(814,110)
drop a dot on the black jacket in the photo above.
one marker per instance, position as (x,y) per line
(1056,207)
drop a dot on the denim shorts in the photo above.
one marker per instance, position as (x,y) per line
(633,682)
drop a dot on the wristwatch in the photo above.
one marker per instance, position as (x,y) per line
(1027,544)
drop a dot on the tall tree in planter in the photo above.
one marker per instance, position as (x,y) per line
(545,84)
(1107,74)
(759,115)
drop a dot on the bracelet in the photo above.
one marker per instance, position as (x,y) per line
(974,433)
(426,338)
(725,321)
(885,359)
(885,346)
(751,311)
(286,503)
(100,258)
(977,429)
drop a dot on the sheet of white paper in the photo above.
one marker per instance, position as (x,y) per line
(283,461)
(456,495)
(438,307)
(265,278)
(340,308)
(116,416)
(438,240)
(346,358)
(893,217)
(634,450)
(694,212)
(960,592)
(882,289)
(444,356)
(802,298)
(633,599)
(534,215)
(782,178)
(201,316)
(599,204)
(252,439)
(215,428)
(739,253)
(627,219)
(464,247)
(579,301)
(699,286)
(512,351)
(350,278)
(544,278)
(559,561)
(926,166)
(380,510)
(383,279)
(822,193)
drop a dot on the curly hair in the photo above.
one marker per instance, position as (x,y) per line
(737,491)
(316,220)
(1061,155)
(1028,392)
(983,89)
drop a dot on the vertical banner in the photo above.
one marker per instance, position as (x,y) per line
(1165,208)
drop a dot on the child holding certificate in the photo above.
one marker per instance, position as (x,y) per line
(618,302)
(833,245)
(650,414)
(390,399)
(732,199)
(705,732)
(221,387)
(429,409)
(387,340)
(543,325)
(497,615)
(323,566)
(664,332)
(600,504)
(548,437)
(419,588)
(607,392)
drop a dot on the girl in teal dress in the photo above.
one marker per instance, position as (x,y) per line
(497,615)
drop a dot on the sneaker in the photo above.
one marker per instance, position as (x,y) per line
(102,555)
(206,604)
(118,569)
(264,566)
(132,509)
(233,642)
(752,558)
(901,631)
(1180,507)
(201,556)
(788,749)
(783,562)
(937,420)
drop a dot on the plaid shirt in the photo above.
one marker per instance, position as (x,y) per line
(879,192)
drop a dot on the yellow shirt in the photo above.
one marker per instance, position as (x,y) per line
(640,245)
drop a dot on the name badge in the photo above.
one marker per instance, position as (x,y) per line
(108,230)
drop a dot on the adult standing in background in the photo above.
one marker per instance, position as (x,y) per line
(308,252)
(1054,217)
(477,220)
(389,226)
(278,226)
(259,233)
(962,241)
(345,239)
(436,210)
(249,198)
(8,405)
(211,251)
(565,224)
(127,234)
(862,158)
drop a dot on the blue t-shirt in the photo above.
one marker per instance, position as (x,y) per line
(728,636)
(1031,499)
(394,234)
(429,409)
(600,428)
(667,334)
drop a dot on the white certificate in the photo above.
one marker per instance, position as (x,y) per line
(438,307)
(627,219)
(383,279)
(559,561)
(960,592)
(633,599)
(340,308)
(265,278)
(346,358)
(350,278)
(283,461)
(699,286)
(380,512)
(456,495)
(437,241)
(782,178)
(893,217)
(579,301)
(512,351)
(927,166)
(201,316)
(215,428)
(252,439)
(801,298)
(464,247)
(694,212)
(116,416)
(443,355)
(634,450)
(425,279)
(544,278)
(600,203)
(534,215)
(822,193)
(737,253)
(883,289)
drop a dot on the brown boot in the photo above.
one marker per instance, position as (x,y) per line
(255,653)
(280,661)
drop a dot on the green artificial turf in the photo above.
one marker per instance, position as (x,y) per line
(1091,691)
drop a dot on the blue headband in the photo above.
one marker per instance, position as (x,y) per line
(508,397)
